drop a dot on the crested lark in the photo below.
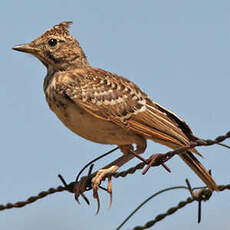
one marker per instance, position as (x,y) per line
(104,107)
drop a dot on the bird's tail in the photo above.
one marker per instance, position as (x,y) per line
(199,169)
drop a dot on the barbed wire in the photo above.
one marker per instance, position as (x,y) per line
(201,197)
(32,199)
(162,157)
(77,188)
(84,184)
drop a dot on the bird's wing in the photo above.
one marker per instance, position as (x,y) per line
(114,98)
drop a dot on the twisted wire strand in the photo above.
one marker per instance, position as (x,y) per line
(174,209)
(32,199)
(132,170)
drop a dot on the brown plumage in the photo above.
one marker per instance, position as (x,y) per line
(104,107)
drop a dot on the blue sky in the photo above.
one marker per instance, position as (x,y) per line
(176,51)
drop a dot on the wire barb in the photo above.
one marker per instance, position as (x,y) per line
(200,195)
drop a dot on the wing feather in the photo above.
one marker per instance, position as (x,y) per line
(111,97)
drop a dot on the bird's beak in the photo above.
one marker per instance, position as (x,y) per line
(27,48)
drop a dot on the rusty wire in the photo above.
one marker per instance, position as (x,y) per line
(71,186)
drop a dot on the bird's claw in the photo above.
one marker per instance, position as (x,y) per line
(109,190)
(86,183)
(95,196)
(96,181)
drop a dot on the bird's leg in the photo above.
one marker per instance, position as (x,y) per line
(154,160)
(141,146)
(107,170)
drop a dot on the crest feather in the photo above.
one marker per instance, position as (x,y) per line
(59,29)
(63,25)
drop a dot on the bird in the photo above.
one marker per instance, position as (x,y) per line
(106,108)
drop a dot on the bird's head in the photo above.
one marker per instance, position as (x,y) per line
(57,49)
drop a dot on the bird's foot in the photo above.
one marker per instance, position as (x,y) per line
(156,160)
(96,181)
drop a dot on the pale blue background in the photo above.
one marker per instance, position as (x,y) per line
(176,51)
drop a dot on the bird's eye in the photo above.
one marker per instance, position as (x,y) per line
(52,42)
